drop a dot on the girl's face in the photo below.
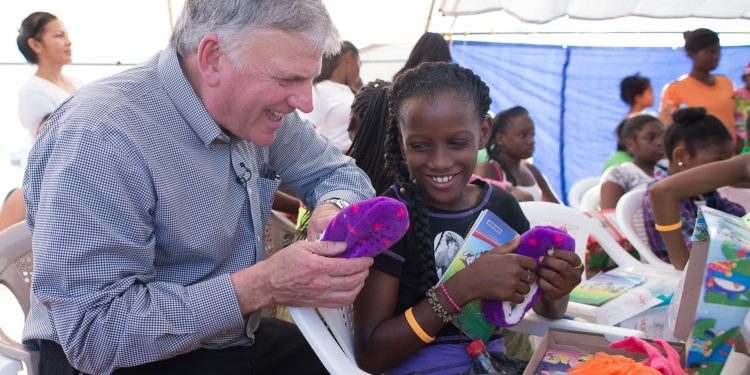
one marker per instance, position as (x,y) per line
(517,141)
(647,144)
(646,99)
(53,44)
(440,138)
(706,59)
(711,153)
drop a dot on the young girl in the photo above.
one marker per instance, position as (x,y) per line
(694,139)
(437,123)
(509,144)
(643,140)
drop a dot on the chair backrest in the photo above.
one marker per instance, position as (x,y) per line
(580,227)
(334,347)
(590,199)
(629,216)
(575,194)
(16,269)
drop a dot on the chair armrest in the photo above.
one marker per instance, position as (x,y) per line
(536,325)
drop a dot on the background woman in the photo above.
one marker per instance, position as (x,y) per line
(43,40)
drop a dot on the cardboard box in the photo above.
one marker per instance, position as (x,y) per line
(682,308)
(587,342)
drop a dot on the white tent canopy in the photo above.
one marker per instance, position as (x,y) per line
(541,11)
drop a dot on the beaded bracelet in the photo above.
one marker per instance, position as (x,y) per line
(450,298)
(437,307)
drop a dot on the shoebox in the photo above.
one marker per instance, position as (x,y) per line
(712,301)
(560,350)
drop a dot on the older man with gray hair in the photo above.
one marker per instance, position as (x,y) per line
(147,195)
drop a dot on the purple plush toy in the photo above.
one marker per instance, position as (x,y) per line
(368,227)
(534,244)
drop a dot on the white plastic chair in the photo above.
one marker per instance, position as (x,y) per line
(590,199)
(335,347)
(629,216)
(15,274)
(575,194)
(580,227)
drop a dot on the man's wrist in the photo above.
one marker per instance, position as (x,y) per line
(338,202)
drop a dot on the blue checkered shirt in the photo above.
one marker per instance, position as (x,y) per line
(141,207)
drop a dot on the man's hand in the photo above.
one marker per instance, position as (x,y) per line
(319,220)
(303,274)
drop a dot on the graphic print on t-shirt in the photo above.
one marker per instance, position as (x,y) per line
(446,245)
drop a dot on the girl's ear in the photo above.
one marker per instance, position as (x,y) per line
(35,45)
(484,131)
(630,145)
(679,154)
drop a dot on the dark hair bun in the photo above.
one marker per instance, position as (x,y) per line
(687,116)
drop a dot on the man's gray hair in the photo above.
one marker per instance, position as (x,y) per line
(234,20)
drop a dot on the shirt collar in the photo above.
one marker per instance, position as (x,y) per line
(186,101)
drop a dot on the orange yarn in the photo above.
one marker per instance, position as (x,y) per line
(605,364)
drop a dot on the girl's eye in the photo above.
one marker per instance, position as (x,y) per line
(417,146)
(459,143)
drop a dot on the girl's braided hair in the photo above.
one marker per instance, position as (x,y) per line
(427,81)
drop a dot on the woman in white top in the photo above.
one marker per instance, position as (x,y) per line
(643,140)
(511,141)
(43,40)
(333,95)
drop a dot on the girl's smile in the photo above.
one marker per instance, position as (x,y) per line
(441,136)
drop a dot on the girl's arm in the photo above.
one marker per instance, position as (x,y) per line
(547,195)
(611,192)
(382,340)
(665,196)
(486,170)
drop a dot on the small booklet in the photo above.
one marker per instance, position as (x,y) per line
(488,232)
(559,359)
(603,287)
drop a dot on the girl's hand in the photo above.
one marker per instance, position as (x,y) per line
(563,274)
(501,275)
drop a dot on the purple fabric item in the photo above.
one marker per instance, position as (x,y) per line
(534,244)
(368,227)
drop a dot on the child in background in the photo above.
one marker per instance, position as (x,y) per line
(509,144)
(643,140)
(437,123)
(742,109)
(637,93)
(367,128)
(694,139)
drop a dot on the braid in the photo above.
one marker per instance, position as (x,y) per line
(370,115)
(427,81)
(499,124)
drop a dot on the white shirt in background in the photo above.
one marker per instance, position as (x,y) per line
(37,98)
(332,104)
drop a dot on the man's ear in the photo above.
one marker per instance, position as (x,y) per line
(484,131)
(209,57)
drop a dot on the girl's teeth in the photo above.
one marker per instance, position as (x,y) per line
(442,179)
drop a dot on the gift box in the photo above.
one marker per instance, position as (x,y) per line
(563,349)
(714,295)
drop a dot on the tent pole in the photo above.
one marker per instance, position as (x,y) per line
(429,16)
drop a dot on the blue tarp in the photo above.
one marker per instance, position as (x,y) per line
(573,94)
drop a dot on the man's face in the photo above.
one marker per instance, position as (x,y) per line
(273,77)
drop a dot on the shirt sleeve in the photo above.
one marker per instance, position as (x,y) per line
(614,174)
(96,273)
(314,168)
(33,105)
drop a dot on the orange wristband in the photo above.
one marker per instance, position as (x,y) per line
(668,228)
(416,327)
